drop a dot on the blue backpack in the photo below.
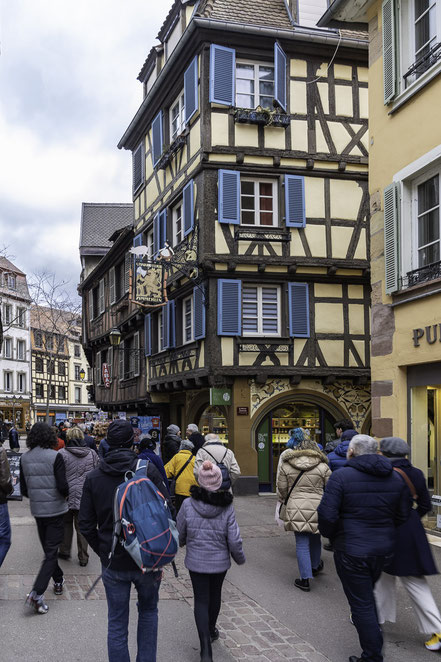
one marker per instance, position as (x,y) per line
(143,523)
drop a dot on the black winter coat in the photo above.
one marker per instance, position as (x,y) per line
(363,503)
(170,447)
(413,556)
(96,508)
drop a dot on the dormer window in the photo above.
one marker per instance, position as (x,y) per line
(12,282)
(177,117)
(254,85)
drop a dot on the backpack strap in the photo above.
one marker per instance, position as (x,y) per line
(293,486)
(183,466)
(408,482)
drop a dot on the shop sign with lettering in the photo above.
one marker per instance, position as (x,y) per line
(431,334)
(106,375)
(242,411)
(220,396)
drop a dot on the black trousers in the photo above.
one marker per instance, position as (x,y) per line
(358,576)
(50,532)
(207,589)
(179,500)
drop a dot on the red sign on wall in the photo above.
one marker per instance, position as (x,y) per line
(106,375)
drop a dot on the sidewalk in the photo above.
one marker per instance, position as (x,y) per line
(263,619)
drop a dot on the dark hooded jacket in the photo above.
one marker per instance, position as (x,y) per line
(96,509)
(337,458)
(207,526)
(198,440)
(170,446)
(362,506)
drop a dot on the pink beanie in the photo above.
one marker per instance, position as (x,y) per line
(210,477)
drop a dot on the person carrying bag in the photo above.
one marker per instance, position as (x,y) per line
(179,471)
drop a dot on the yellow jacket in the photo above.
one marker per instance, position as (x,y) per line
(186,479)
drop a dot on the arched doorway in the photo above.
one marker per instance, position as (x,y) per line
(314,413)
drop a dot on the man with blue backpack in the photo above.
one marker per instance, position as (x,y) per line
(125,517)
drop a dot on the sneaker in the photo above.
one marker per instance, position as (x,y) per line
(318,569)
(434,643)
(38,605)
(58,587)
(302,584)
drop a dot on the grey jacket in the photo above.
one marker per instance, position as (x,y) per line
(41,479)
(207,526)
(215,452)
(79,460)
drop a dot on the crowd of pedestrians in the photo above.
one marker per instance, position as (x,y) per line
(365,497)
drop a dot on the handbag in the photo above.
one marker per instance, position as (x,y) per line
(172,483)
(408,482)
(282,511)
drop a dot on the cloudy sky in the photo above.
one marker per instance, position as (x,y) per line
(68,90)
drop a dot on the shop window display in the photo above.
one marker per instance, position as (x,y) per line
(213,420)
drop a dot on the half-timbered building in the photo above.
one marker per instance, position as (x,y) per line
(250,154)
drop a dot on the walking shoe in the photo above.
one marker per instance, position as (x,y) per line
(58,587)
(318,569)
(302,584)
(214,636)
(37,605)
(434,643)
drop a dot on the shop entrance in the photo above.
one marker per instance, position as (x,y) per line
(213,419)
(272,435)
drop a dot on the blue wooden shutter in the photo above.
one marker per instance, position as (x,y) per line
(295,201)
(298,300)
(171,330)
(229,196)
(157,138)
(199,312)
(389,50)
(222,75)
(391,237)
(165,326)
(138,167)
(148,334)
(280,76)
(162,228)
(137,241)
(191,90)
(156,235)
(229,307)
(188,207)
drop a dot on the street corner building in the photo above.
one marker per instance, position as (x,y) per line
(404,175)
(250,263)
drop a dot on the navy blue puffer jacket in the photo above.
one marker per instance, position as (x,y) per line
(362,506)
(337,459)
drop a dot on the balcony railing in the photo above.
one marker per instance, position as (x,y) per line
(422,64)
(422,275)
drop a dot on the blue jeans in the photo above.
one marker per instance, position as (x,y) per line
(117,584)
(358,575)
(308,550)
(5,531)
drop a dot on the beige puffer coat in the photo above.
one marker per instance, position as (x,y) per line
(301,510)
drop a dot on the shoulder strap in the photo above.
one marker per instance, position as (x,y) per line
(211,455)
(408,482)
(293,486)
(183,466)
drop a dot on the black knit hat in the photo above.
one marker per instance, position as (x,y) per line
(120,434)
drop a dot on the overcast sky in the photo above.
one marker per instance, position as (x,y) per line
(68,91)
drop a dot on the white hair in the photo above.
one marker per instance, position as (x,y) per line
(193,427)
(363,444)
(211,437)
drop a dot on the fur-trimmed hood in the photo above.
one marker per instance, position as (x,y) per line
(303,459)
(209,504)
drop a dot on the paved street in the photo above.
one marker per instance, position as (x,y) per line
(263,617)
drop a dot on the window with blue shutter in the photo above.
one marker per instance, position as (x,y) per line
(199,312)
(188,207)
(389,50)
(298,305)
(137,241)
(148,334)
(159,231)
(229,303)
(295,201)
(165,326)
(171,329)
(229,196)
(138,167)
(157,138)
(391,237)
(222,75)
(280,76)
(191,90)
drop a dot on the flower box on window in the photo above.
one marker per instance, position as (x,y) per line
(170,150)
(262,117)
(280,119)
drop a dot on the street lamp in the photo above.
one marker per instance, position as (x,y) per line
(115,336)
(82,374)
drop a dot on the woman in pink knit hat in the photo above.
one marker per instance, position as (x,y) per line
(207,526)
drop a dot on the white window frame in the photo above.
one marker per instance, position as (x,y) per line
(21,343)
(178,238)
(260,332)
(101,297)
(42,389)
(7,319)
(414,217)
(257,210)
(21,317)
(256,65)
(12,282)
(8,376)
(161,337)
(77,348)
(7,342)
(21,377)
(77,370)
(186,340)
(77,399)
(180,103)
(149,244)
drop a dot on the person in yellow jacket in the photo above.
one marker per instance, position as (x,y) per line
(181,469)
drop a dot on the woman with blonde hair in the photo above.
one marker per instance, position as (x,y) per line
(79,459)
